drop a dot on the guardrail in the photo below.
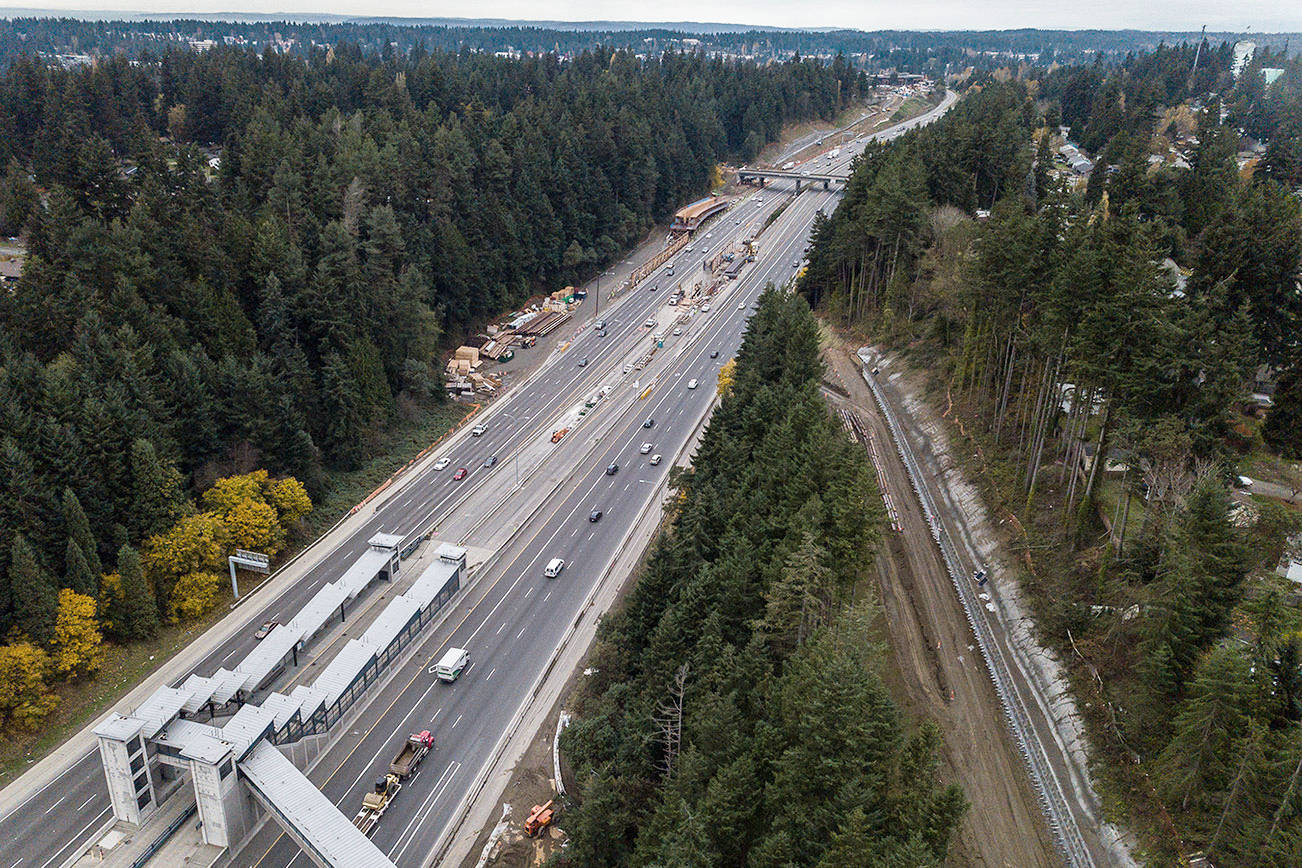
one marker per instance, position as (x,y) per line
(143,858)
(1062,823)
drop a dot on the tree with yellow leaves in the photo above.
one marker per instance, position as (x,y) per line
(77,644)
(290,499)
(193,596)
(25,699)
(195,543)
(727,373)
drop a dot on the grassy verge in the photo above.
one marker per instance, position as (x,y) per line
(126,666)
(396,447)
(911,108)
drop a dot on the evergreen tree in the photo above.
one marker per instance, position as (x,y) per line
(140,610)
(78,529)
(35,596)
(78,575)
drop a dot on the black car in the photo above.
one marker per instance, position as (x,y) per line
(595,515)
(648,423)
(612,469)
(583,362)
(714,354)
(490,461)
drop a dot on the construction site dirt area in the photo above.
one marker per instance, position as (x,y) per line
(938,672)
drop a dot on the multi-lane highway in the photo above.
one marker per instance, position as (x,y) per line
(512,617)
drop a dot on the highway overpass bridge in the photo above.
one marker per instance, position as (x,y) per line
(761,176)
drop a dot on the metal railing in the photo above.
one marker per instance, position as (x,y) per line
(152,849)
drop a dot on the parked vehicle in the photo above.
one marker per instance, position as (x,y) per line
(449,669)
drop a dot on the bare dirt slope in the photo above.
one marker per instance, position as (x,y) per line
(942,673)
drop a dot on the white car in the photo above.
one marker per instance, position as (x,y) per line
(646,447)
(741,305)
(554,568)
(628,367)
(478,430)
(705,308)
(678,330)
(442,463)
(650,323)
(709,235)
(655,459)
(691,384)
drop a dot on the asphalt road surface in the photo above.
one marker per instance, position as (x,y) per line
(513,625)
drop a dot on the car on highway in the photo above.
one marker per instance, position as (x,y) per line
(650,323)
(442,463)
(646,447)
(599,324)
(655,459)
(705,308)
(612,468)
(653,288)
(691,384)
(738,221)
(628,367)
(741,305)
(490,461)
(688,248)
(714,354)
(267,627)
(649,422)
(554,567)
(583,362)
(594,516)
(795,264)
(460,474)
(478,430)
(678,330)
(709,235)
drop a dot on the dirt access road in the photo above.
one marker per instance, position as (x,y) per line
(941,670)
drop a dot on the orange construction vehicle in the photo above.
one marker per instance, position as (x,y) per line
(539,818)
(557,435)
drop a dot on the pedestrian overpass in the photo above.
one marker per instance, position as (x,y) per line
(761,176)
(250,762)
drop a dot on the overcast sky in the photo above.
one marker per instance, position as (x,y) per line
(1231,15)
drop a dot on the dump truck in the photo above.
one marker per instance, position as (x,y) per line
(414,749)
(376,802)
(539,818)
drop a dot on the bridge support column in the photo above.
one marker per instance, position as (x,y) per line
(827,185)
(797,185)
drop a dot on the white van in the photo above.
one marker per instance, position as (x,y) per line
(450,667)
(554,568)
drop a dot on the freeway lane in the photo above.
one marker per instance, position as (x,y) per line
(514,625)
(76,803)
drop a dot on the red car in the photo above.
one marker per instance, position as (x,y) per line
(460,474)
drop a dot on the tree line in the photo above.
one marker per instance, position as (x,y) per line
(734,714)
(1114,331)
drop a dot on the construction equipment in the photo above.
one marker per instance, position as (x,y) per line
(539,818)
(413,751)
(375,803)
